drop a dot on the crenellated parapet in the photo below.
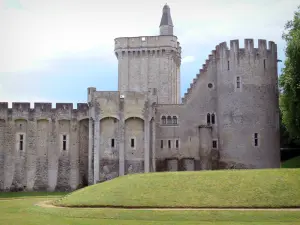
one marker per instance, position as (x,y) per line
(149,46)
(262,50)
(22,110)
(132,43)
(231,57)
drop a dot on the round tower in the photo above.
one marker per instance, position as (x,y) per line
(247,105)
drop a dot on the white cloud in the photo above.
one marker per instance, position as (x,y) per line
(39,31)
(43,30)
(188,59)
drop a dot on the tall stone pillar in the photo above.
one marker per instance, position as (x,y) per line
(121,140)
(146,145)
(91,142)
(153,145)
(96,149)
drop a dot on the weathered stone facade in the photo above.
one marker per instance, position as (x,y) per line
(229,118)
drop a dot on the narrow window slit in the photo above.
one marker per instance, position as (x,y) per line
(238,82)
(208,118)
(112,142)
(64,142)
(132,142)
(213,118)
(21,141)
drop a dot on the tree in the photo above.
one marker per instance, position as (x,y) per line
(289,81)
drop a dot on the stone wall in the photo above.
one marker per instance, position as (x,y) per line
(32,153)
(134,145)
(109,154)
(123,132)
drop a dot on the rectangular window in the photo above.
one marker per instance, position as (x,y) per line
(64,142)
(228,65)
(238,82)
(112,142)
(215,144)
(21,142)
(177,143)
(264,64)
(161,143)
(169,143)
(255,139)
(132,143)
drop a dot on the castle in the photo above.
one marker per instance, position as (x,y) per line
(229,118)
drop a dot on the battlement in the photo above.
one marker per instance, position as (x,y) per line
(42,109)
(223,52)
(116,95)
(127,43)
(24,106)
(43,106)
(222,49)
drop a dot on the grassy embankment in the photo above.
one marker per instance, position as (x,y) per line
(269,188)
(238,188)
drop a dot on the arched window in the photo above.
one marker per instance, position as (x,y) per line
(163,120)
(213,119)
(169,120)
(175,120)
(208,118)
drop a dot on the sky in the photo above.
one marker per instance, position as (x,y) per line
(52,51)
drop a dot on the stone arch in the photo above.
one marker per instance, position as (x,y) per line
(64,163)
(133,116)
(42,133)
(20,148)
(21,124)
(114,118)
(82,118)
(109,145)
(134,145)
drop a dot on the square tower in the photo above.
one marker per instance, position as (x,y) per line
(151,63)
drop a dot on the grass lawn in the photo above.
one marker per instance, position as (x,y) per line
(292,163)
(230,188)
(23,211)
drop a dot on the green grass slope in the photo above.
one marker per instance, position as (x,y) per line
(292,163)
(230,188)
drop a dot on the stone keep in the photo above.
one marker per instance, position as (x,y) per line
(228,118)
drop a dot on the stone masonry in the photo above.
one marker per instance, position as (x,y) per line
(227,119)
